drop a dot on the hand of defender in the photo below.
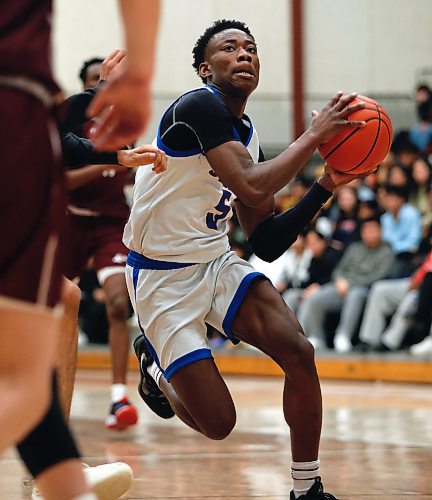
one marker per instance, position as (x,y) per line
(143,155)
(334,117)
(123,107)
(111,63)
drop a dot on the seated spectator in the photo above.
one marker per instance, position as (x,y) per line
(294,192)
(291,269)
(400,176)
(401,228)
(420,133)
(404,151)
(421,172)
(395,297)
(324,258)
(421,320)
(363,262)
(344,214)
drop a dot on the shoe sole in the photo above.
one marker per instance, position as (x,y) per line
(163,409)
(125,417)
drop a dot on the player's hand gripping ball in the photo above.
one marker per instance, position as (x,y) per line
(359,151)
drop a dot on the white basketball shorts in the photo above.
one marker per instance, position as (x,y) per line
(173,302)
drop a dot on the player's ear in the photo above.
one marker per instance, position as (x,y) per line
(204,70)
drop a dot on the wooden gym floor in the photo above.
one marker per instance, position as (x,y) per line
(376,444)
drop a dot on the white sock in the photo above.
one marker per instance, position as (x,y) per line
(86,496)
(118,392)
(155,372)
(304,474)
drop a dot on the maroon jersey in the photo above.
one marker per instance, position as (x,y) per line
(103,197)
(25,48)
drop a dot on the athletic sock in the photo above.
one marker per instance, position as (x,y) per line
(118,392)
(304,474)
(155,372)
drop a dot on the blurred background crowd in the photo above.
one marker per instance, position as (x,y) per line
(360,276)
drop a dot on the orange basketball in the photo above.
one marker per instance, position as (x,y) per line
(360,150)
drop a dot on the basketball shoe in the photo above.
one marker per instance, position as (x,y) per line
(108,481)
(149,391)
(316,492)
(121,416)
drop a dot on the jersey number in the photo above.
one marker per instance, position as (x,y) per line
(223,208)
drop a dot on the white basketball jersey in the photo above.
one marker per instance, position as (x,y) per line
(181,215)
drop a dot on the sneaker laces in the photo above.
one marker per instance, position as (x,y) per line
(316,491)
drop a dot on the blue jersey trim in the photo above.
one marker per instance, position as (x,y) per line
(172,152)
(149,346)
(138,261)
(236,303)
(187,359)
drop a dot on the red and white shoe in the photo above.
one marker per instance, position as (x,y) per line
(121,416)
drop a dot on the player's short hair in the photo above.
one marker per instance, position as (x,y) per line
(202,42)
(86,64)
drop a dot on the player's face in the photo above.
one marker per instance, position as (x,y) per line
(92,76)
(232,62)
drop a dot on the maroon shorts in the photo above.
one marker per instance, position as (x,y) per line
(95,239)
(32,201)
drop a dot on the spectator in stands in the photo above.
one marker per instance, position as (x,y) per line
(363,263)
(296,189)
(290,270)
(400,176)
(344,214)
(401,228)
(421,172)
(421,320)
(323,261)
(390,297)
(421,132)
(404,151)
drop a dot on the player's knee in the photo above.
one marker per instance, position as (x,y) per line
(118,308)
(297,352)
(221,427)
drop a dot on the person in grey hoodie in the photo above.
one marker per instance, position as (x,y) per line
(363,263)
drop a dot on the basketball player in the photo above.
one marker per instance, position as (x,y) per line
(31,209)
(181,273)
(97,214)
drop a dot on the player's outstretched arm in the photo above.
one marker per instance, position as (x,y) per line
(270,235)
(253,183)
(123,105)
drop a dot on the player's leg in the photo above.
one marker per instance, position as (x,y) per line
(66,354)
(109,255)
(264,320)
(171,308)
(25,363)
(31,217)
(122,413)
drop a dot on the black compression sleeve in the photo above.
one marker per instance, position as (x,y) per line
(78,151)
(50,442)
(73,111)
(272,237)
